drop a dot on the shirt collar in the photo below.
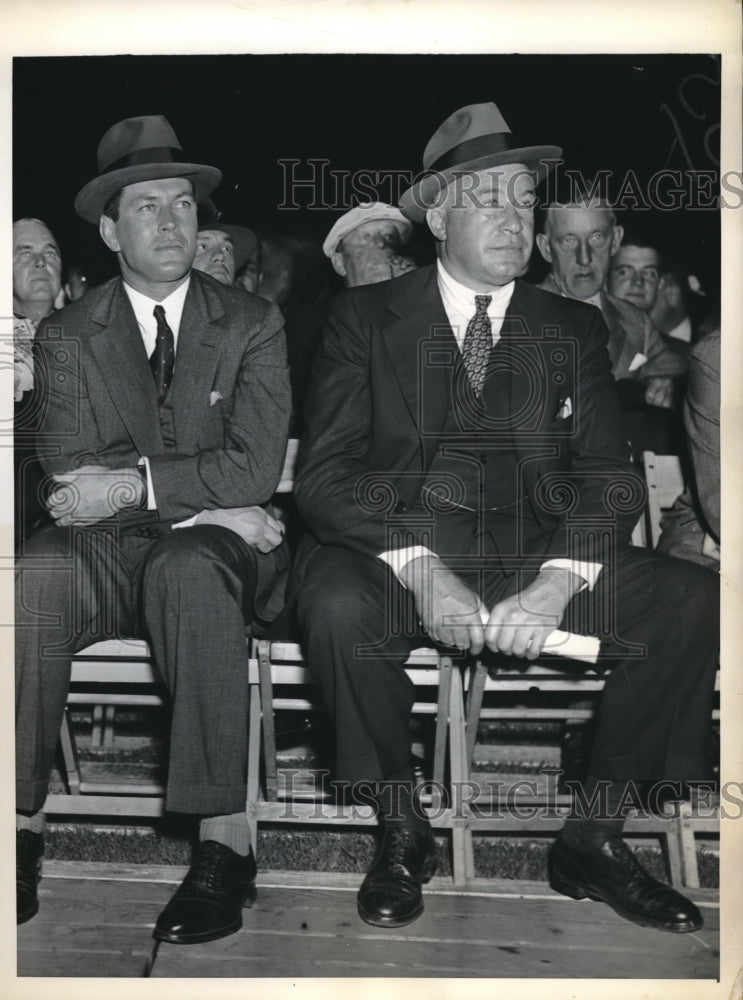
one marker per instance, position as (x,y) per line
(144,306)
(462,298)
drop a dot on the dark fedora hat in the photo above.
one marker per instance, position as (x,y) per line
(140,149)
(473,138)
(244,240)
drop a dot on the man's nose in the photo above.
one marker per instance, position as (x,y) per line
(384,241)
(512,220)
(167,220)
(39,260)
(637,279)
(583,253)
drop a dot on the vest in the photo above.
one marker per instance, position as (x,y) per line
(167,424)
(473,486)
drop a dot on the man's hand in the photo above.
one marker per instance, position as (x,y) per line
(254,525)
(659,392)
(449,611)
(93,492)
(520,625)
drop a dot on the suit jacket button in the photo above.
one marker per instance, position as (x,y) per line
(400,507)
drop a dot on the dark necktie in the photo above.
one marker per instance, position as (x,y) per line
(162,359)
(478,341)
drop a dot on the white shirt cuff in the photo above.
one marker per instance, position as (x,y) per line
(588,571)
(151,502)
(185,524)
(398,559)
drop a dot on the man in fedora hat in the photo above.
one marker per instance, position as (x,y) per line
(223,250)
(463,475)
(166,406)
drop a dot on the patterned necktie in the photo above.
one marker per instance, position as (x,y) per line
(162,359)
(478,341)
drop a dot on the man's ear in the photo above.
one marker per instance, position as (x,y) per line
(107,229)
(338,263)
(544,246)
(616,239)
(436,222)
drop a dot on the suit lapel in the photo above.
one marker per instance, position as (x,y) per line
(119,352)
(199,340)
(423,352)
(621,348)
(525,332)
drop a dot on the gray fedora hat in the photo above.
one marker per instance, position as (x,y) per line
(140,149)
(473,138)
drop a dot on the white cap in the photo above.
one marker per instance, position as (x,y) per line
(372,211)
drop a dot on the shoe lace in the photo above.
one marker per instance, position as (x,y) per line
(637,877)
(207,868)
(397,847)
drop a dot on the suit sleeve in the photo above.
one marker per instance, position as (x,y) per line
(332,467)
(702,422)
(246,470)
(662,360)
(67,431)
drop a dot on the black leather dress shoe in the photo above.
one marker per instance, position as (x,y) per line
(613,874)
(390,895)
(29,850)
(208,903)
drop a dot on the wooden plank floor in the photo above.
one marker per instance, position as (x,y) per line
(97,919)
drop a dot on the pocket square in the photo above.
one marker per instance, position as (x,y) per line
(566,409)
(637,362)
(214,397)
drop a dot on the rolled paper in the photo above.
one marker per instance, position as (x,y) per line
(575,647)
(568,644)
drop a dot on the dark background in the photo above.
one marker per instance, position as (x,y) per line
(244,113)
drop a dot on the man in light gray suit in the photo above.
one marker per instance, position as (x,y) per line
(166,408)
(579,240)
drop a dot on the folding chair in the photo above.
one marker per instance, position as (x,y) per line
(280,679)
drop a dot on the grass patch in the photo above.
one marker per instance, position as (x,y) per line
(313,849)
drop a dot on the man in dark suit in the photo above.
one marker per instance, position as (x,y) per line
(165,411)
(463,468)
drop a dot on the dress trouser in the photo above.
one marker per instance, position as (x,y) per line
(190,593)
(659,622)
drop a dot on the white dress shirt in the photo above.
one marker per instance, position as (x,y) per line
(460,307)
(144,313)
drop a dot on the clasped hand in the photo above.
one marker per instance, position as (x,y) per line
(659,392)
(92,493)
(254,525)
(454,615)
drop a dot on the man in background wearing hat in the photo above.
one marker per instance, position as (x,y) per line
(166,405)
(365,245)
(463,466)
(223,250)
